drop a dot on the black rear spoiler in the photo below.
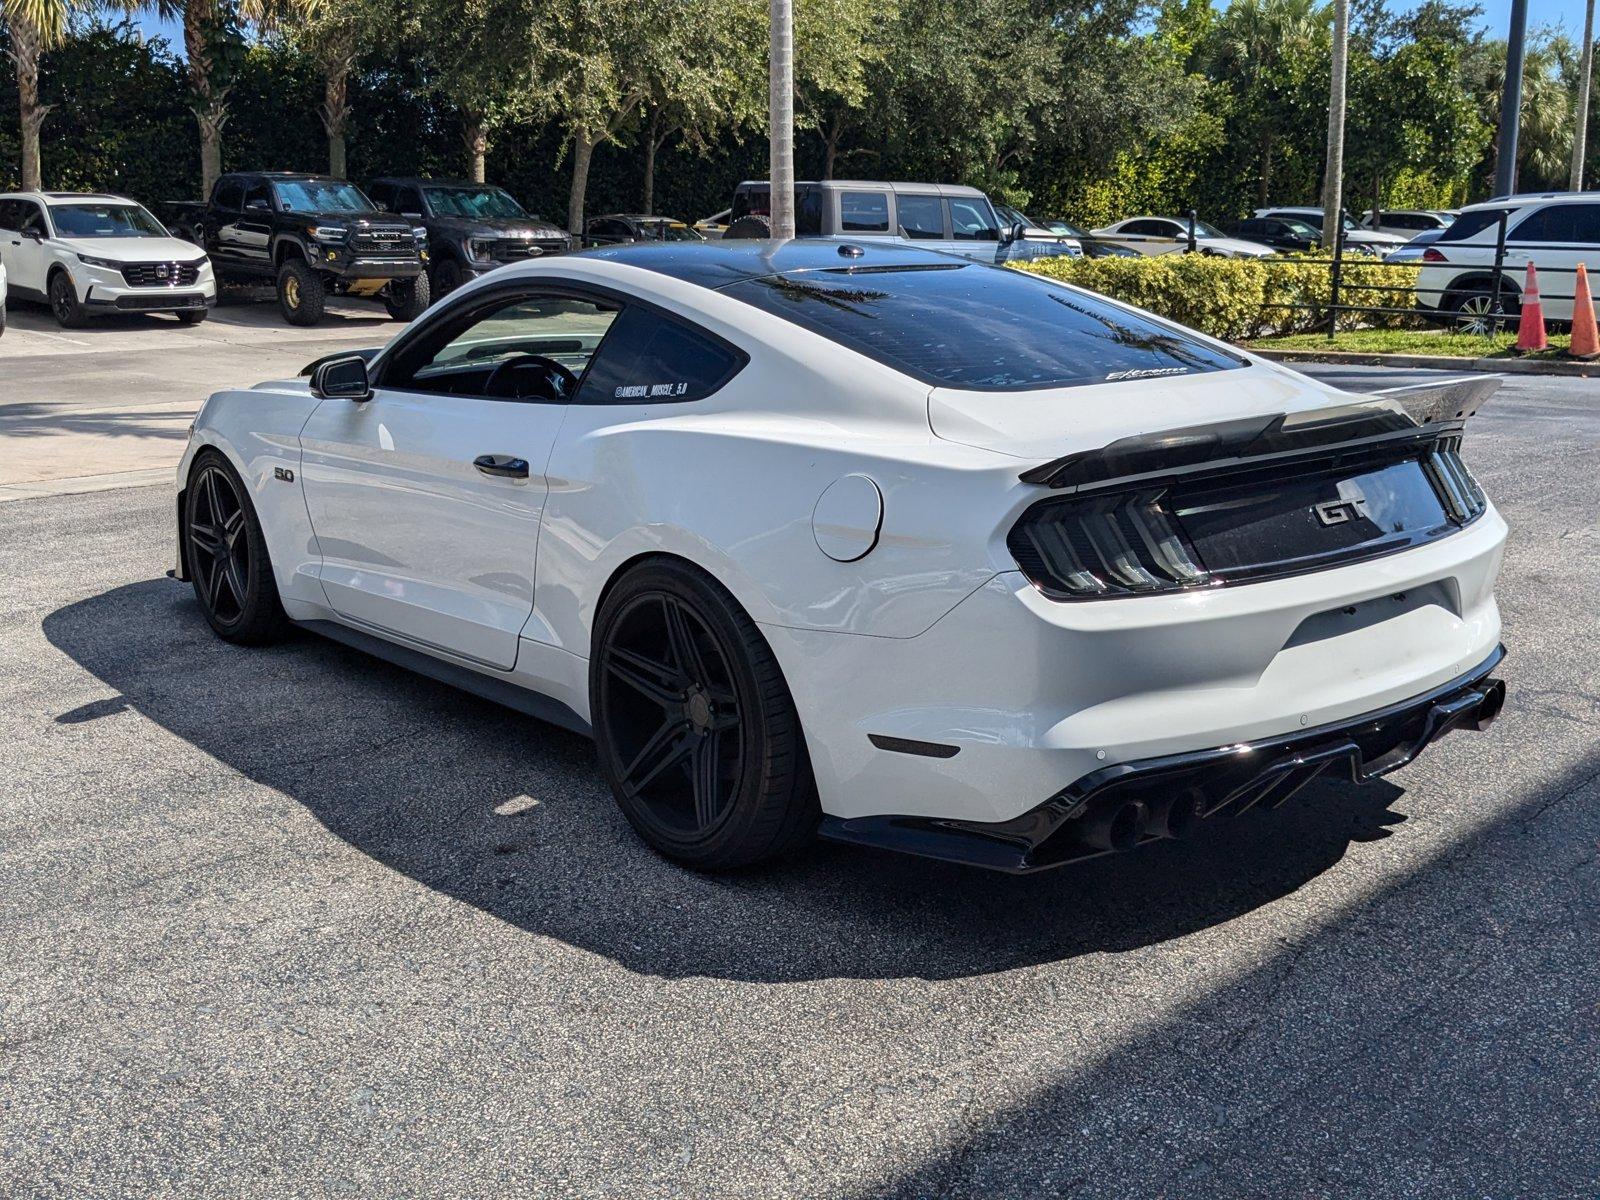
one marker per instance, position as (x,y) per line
(1420,412)
(365,354)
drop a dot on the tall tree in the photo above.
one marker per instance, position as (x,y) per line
(838,43)
(32,26)
(333,35)
(1333,168)
(1580,121)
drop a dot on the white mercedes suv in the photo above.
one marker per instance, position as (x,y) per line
(86,254)
(1555,232)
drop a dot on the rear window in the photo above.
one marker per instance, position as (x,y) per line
(649,357)
(1469,224)
(980,327)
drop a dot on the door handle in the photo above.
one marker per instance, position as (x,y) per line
(502,465)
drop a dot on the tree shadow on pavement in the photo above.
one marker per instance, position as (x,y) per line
(510,815)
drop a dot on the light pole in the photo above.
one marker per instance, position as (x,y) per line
(1580,131)
(1505,167)
(780,117)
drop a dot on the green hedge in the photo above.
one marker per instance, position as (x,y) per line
(1238,299)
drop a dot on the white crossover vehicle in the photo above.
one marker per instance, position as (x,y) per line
(3,296)
(89,255)
(867,540)
(1168,235)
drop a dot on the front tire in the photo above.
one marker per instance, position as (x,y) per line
(191,316)
(697,732)
(64,301)
(301,293)
(407,299)
(226,553)
(447,277)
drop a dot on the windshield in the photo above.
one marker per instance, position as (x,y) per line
(980,327)
(320,196)
(104,221)
(1203,230)
(1301,229)
(1065,227)
(472,202)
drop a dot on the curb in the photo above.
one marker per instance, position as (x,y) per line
(1438,362)
(78,485)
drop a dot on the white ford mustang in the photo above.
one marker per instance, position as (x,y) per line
(869,541)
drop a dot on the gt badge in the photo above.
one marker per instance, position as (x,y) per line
(1338,512)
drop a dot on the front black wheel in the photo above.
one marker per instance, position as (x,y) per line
(191,316)
(227,555)
(64,301)
(697,733)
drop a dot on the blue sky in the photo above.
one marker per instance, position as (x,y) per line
(1496,18)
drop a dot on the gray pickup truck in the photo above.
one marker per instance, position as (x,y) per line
(935,216)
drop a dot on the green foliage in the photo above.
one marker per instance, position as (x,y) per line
(1234,299)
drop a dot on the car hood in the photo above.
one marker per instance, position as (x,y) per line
(1371,237)
(1236,246)
(1041,425)
(488,227)
(135,249)
(360,220)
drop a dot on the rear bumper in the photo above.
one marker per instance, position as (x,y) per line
(1224,780)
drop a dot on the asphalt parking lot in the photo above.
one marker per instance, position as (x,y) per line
(291,922)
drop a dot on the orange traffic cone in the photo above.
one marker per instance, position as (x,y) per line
(1585,339)
(1530,331)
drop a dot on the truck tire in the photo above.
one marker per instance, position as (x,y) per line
(406,299)
(301,293)
(749,227)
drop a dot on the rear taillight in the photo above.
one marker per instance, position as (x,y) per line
(1432,255)
(1108,546)
(1462,497)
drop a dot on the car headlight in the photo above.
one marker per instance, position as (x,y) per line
(106,263)
(479,250)
(329,233)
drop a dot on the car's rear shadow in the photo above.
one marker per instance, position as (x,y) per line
(510,815)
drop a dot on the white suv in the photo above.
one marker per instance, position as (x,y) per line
(1555,232)
(85,254)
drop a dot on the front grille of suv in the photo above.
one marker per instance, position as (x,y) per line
(518,249)
(164,274)
(384,243)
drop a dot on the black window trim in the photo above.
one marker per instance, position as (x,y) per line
(498,296)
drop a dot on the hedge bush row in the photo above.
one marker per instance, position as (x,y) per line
(1238,299)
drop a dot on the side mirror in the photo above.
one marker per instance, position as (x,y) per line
(33,234)
(257,205)
(1014,232)
(343,378)
(412,216)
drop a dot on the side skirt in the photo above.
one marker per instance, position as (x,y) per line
(497,691)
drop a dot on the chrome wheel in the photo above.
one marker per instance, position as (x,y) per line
(1479,313)
(670,715)
(219,550)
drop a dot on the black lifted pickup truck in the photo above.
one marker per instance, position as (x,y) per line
(311,235)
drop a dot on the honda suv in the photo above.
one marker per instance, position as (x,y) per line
(1555,232)
(86,254)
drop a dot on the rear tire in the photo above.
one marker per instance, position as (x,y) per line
(64,301)
(226,553)
(697,732)
(1474,311)
(301,293)
(192,316)
(406,299)
(749,227)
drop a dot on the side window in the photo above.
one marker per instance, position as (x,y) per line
(864,212)
(407,200)
(650,357)
(33,218)
(921,216)
(381,195)
(527,348)
(973,221)
(1559,223)
(258,197)
(808,213)
(230,195)
(9,218)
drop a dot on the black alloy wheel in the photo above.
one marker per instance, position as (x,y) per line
(697,732)
(64,301)
(227,556)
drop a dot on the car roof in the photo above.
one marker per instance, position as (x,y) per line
(717,264)
(937,189)
(1522,198)
(634,217)
(70,197)
(283,176)
(426,180)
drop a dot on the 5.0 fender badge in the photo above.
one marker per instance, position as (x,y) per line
(283,473)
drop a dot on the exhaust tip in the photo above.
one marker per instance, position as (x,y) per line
(1175,816)
(1494,699)
(1114,827)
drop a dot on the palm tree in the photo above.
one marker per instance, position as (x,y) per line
(1580,122)
(781,119)
(1333,171)
(33,27)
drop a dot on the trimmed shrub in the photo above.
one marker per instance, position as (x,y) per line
(1238,298)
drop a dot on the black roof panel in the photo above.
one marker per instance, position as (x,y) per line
(718,263)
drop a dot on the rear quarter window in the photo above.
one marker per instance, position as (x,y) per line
(650,358)
(981,328)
